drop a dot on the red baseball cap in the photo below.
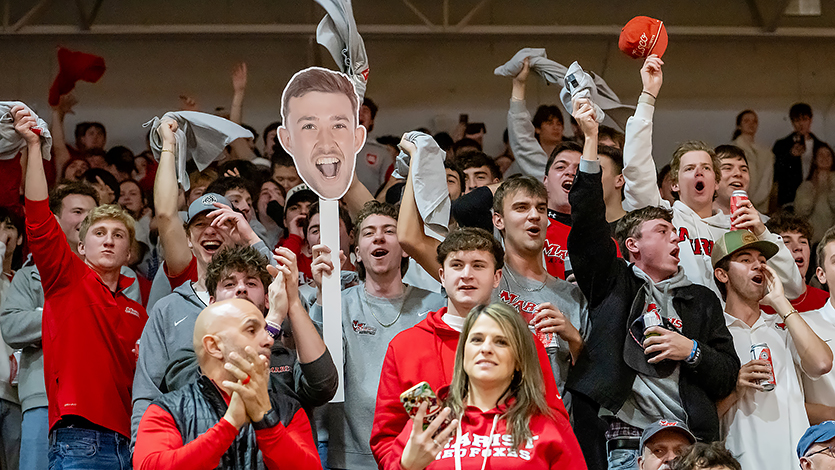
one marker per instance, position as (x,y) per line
(643,36)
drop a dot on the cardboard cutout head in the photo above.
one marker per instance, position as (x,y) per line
(321,130)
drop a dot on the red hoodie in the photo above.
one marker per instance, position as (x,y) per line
(552,446)
(426,352)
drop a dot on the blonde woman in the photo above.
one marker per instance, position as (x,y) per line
(760,159)
(497,400)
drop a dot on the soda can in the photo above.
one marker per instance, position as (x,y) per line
(652,318)
(737,197)
(760,351)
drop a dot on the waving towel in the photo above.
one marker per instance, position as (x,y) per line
(200,137)
(578,84)
(338,33)
(555,73)
(429,181)
(11,142)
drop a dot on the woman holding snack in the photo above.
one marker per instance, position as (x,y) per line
(495,406)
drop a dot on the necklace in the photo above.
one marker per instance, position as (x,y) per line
(528,289)
(400,312)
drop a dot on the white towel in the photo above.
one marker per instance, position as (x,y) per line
(11,142)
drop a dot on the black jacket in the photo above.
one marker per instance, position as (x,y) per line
(788,169)
(610,286)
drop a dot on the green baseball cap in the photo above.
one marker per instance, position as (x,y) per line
(736,240)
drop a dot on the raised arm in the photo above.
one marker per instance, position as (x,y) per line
(239,76)
(356,197)
(641,187)
(413,239)
(520,131)
(176,253)
(56,128)
(36,185)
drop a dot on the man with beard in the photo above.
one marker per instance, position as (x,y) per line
(630,372)
(764,415)
(227,417)
(166,361)
(695,174)
(373,312)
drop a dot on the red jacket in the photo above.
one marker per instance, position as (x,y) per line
(811,299)
(552,446)
(426,352)
(556,247)
(89,333)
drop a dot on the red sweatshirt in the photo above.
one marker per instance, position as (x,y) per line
(295,244)
(556,246)
(552,445)
(159,444)
(426,352)
(811,299)
(89,333)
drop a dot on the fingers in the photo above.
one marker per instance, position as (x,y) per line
(417,422)
(272,270)
(443,437)
(234,370)
(433,427)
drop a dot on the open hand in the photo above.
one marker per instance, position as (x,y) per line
(775,293)
(421,448)
(239,77)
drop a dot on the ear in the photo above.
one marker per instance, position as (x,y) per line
(284,139)
(498,221)
(81,248)
(674,187)
(632,245)
(619,181)
(821,274)
(212,346)
(19,240)
(441,274)
(721,275)
(212,299)
(359,138)
(495,180)
(497,278)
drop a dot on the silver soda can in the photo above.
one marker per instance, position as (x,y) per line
(652,318)
(760,351)
(737,197)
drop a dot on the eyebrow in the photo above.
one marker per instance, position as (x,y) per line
(250,321)
(338,117)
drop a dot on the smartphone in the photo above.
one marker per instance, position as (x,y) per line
(465,118)
(475,128)
(415,396)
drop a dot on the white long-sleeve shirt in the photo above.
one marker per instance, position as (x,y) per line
(696,234)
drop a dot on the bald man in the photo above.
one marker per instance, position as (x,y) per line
(226,417)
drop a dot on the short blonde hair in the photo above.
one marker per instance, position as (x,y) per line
(108,211)
(694,146)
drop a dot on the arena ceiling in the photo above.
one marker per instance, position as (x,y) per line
(730,18)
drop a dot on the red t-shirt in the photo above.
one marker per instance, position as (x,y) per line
(159,444)
(89,332)
(188,274)
(811,299)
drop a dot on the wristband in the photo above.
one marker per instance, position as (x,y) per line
(166,150)
(694,354)
(273,329)
(646,97)
(791,312)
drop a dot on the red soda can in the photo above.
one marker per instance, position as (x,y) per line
(737,197)
(760,351)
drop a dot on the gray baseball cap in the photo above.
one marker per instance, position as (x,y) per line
(205,203)
(664,425)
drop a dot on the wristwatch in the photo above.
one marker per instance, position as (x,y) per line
(269,420)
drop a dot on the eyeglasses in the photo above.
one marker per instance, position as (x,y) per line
(825,449)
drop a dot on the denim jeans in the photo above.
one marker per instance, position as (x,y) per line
(623,459)
(86,449)
(34,439)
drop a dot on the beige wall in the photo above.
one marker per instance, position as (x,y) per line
(428,80)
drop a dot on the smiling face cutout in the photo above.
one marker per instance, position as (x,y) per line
(321,131)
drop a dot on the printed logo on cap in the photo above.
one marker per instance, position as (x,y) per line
(209,200)
(664,422)
(748,238)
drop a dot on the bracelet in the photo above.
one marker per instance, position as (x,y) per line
(692,357)
(791,312)
(166,150)
(273,329)
(648,99)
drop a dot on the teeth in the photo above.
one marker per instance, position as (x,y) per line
(328,166)
(327,161)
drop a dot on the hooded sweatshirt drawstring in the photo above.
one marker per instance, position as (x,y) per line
(485,454)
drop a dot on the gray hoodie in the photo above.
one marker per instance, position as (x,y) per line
(20,320)
(170,327)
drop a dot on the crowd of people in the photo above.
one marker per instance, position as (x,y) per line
(562,305)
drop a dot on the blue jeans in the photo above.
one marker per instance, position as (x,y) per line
(86,449)
(623,459)
(322,447)
(34,439)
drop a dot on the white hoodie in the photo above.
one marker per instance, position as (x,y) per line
(696,234)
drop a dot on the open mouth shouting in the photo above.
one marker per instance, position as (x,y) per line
(736,185)
(758,279)
(533,231)
(379,253)
(700,186)
(211,246)
(328,166)
(674,253)
(566,185)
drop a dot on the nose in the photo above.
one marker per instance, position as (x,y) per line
(669,456)
(267,341)
(108,239)
(572,170)
(240,288)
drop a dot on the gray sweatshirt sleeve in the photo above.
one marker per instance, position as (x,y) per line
(522,137)
(150,368)
(264,250)
(20,317)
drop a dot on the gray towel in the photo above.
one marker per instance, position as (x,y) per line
(11,142)
(200,137)
(338,33)
(555,73)
(429,181)
(578,84)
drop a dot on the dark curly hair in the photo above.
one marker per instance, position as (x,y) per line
(237,258)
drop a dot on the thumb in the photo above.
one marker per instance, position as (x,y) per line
(272,270)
